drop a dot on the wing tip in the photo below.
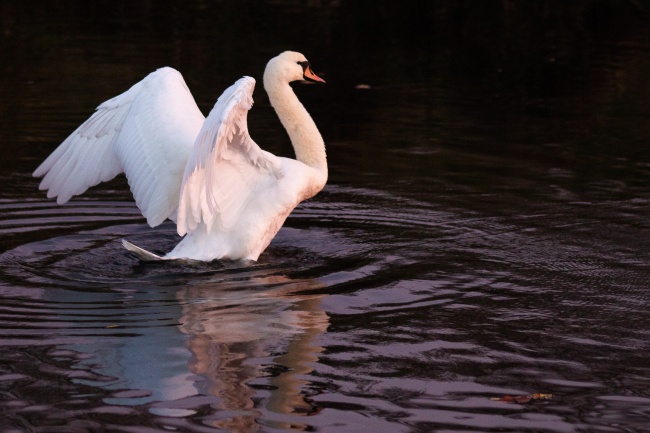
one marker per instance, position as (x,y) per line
(39,172)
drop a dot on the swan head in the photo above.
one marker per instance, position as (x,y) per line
(289,66)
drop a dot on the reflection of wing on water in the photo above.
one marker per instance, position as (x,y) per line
(253,342)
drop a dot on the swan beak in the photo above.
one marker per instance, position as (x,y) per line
(310,76)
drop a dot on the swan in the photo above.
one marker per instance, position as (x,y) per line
(227,196)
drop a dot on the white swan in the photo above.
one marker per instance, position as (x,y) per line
(227,196)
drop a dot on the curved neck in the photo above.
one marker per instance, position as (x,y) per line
(307,142)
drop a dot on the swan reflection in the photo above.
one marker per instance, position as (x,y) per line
(252,346)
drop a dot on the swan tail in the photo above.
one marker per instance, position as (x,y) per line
(142,254)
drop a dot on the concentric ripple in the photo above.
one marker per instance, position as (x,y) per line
(368,307)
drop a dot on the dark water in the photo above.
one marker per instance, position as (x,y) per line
(485,231)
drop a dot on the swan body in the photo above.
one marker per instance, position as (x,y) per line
(228,197)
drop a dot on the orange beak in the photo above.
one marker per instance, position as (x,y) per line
(310,76)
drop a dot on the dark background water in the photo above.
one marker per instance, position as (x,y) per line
(485,231)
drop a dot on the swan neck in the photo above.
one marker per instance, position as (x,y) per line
(305,138)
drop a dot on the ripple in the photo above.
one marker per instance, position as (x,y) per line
(407,312)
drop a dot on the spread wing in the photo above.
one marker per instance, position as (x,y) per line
(226,168)
(147,132)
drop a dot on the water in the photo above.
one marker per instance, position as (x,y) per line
(484,234)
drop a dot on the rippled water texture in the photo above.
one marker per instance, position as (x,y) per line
(479,260)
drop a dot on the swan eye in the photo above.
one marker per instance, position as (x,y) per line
(305,64)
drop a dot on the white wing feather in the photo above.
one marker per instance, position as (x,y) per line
(146,132)
(226,167)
